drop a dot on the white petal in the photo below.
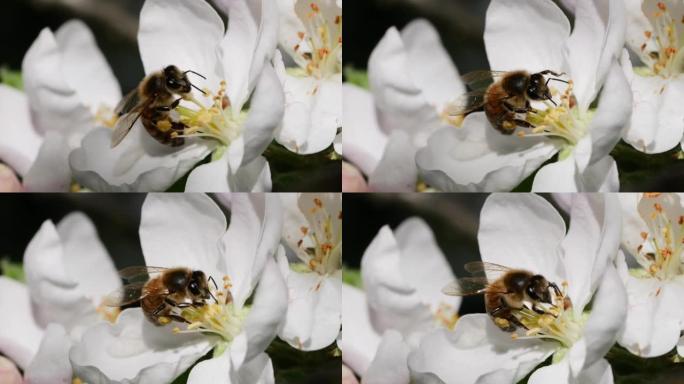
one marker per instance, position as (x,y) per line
(253,177)
(364,141)
(657,118)
(259,370)
(50,171)
(265,316)
(20,334)
(400,104)
(85,258)
(599,373)
(313,313)
(85,67)
(134,351)
(214,370)
(605,321)
(51,363)
(139,163)
(430,65)
(359,340)
(554,373)
(534,246)
(423,264)
(393,302)
(612,115)
(653,321)
(632,223)
(210,177)
(20,143)
(680,347)
(55,105)
(601,176)
(56,296)
(637,24)
(352,179)
(198,218)
(561,176)
(238,48)
(265,112)
(313,113)
(390,363)
(476,157)
(9,181)
(476,349)
(590,245)
(531,46)
(9,373)
(396,171)
(183,33)
(253,237)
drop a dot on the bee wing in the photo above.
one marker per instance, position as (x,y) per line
(481,268)
(467,102)
(129,293)
(128,103)
(139,271)
(123,126)
(481,79)
(467,286)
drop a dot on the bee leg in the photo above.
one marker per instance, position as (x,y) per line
(538,310)
(179,319)
(177,305)
(513,108)
(501,310)
(548,71)
(167,108)
(523,123)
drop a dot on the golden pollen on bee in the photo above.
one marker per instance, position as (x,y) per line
(164,125)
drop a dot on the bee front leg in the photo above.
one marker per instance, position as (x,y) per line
(167,108)
(177,305)
(513,108)
(524,123)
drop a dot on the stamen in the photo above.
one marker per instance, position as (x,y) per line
(324,43)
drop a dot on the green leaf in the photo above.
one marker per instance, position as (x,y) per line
(357,77)
(648,172)
(292,172)
(352,277)
(12,270)
(293,366)
(11,78)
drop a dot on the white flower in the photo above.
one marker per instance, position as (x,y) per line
(655,33)
(68,272)
(313,230)
(476,157)
(236,63)
(311,35)
(525,231)
(411,80)
(653,235)
(189,230)
(68,88)
(403,274)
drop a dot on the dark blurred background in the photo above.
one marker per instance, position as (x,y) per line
(453,217)
(460,24)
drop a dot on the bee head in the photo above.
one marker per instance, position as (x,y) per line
(538,289)
(176,81)
(537,88)
(198,286)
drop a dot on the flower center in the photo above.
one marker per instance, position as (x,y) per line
(216,121)
(320,44)
(323,244)
(219,317)
(446,315)
(564,121)
(667,58)
(661,251)
(552,322)
(105,117)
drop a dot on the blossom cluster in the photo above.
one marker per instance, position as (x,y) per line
(408,131)
(58,130)
(277,260)
(618,266)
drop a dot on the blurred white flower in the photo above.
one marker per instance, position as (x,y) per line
(68,90)
(189,230)
(9,374)
(477,157)
(352,179)
(236,63)
(311,35)
(403,275)
(411,80)
(8,180)
(68,272)
(312,229)
(655,33)
(653,235)
(526,232)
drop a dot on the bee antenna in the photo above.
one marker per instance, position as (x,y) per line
(553,102)
(191,71)
(553,78)
(193,85)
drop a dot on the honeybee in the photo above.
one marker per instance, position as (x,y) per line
(153,99)
(512,289)
(167,290)
(504,99)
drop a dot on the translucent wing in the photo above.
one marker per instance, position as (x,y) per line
(139,271)
(466,286)
(484,269)
(128,103)
(129,293)
(123,126)
(481,79)
(467,102)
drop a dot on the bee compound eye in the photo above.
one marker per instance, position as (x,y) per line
(194,288)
